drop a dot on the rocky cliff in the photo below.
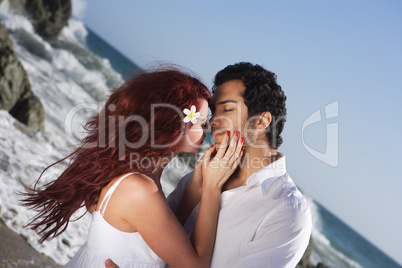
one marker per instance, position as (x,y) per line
(47,16)
(15,91)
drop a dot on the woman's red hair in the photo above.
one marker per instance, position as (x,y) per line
(129,115)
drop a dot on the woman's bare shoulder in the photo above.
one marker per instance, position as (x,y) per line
(138,186)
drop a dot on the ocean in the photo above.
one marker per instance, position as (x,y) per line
(72,75)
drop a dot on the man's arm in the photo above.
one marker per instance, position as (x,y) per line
(175,197)
(280,240)
(186,196)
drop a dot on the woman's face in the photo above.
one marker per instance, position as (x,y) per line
(196,133)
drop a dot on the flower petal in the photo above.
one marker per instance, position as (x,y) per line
(193,108)
(186,111)
(197,115)
(186,119)
(194,120)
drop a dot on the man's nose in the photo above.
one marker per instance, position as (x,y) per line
(213,122)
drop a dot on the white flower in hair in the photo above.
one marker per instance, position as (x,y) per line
(191,115)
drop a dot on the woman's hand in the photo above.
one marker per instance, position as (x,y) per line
(217,170)
(110,264)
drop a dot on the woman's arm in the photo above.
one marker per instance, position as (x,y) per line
(191,196)
(156,223)
(215,172)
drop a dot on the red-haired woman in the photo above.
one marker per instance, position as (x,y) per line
(116,170)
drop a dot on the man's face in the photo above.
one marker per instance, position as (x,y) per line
(230,113)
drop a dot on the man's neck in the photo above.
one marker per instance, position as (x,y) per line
(253,160)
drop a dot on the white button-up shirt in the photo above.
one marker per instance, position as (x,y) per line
(265,223)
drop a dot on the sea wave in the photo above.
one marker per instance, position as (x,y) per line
(64,74)
(322,250)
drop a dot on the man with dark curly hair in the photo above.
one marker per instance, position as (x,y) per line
(264,221)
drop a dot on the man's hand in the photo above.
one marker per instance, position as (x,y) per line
(110,264)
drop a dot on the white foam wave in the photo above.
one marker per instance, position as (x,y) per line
(62,82)
(322,250)
(74,32)
(23,156)
(98,71)
(7,19)
(23,31)
(67,63)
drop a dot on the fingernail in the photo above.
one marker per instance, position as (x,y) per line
(108,262)
(213,145)
(242,140)
(237,133)
(242,148)
(227,133)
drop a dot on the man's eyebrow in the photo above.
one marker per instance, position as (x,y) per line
(226,101)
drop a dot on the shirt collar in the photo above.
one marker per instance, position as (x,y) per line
(268,174)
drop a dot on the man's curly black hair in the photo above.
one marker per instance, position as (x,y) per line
(262,94)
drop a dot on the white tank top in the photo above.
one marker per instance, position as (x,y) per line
(127,250)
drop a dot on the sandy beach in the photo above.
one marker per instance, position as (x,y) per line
(16,252)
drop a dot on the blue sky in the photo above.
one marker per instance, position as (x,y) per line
(344,53)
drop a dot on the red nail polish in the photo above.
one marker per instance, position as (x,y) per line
(242,148)
(242,140)
(227,133)
(213,145)
(237,133)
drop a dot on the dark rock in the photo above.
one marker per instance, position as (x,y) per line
(13,78)
(305,260)
(48,16)
(15,91)
(30,112)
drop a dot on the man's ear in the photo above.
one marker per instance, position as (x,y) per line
(264,121)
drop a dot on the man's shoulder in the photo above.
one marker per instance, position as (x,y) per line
(186,179)
(295,203)
(288,205)
(287,195)
(175,196)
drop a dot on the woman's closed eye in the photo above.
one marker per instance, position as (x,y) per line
(206,126)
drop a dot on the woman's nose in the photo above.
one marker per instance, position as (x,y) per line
(207,127)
